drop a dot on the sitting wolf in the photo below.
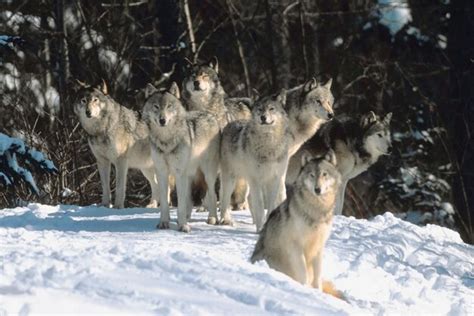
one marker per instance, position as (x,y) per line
(116,136)
(293,238)
(357,143)
(256,150)
(182,142)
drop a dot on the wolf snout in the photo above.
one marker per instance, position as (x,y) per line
(162,121)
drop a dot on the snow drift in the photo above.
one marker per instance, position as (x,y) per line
(70,259)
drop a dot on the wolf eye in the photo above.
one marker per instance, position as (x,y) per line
(83,100)
(319,102)
(379,135)
(94,99)
(324,174)
(312,175)
(156,105)
(272,109)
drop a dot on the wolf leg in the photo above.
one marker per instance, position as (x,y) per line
(227,184)
(121,168)
(162,174)
(210,175)
(340,198)
(257,204)
(182,188)
(104,173)
(149,174)
(317,263)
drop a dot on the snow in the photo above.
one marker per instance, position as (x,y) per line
(394,14)
(71,259)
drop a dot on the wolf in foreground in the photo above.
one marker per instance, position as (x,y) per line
(293,238)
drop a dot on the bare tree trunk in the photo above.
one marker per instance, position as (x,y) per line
(277,29)
(240,49)
(63,69)
(189,24)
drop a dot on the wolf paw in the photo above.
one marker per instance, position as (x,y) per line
(152,204)
(201,208)
(184,228)
(163,225)
(226,221)
(240,206)
(212,220)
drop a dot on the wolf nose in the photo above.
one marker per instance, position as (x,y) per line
(330,116)
(162,121)
(88,113)
(389,149)
(263,118)
(196,85)
(317,190)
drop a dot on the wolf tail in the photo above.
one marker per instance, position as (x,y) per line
(329,288)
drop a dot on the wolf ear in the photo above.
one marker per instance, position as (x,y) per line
(331,157)
(310,85)
(368,119)
(214,64)
(387,119)
(174,90)
(149,90)
(103,87)
(281,97)
(328,84)
(305,158)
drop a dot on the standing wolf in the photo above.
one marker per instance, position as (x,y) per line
(256,150)
(116,136)
(308,107)
(182,143)
(293,238)
(358,144)
(203,91)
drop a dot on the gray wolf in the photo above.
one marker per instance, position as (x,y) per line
(182,142)
(256,150)
(357,143)
(117,136)
(308,107)
(203,91)
(293,238)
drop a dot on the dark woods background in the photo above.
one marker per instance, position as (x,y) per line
(414,58)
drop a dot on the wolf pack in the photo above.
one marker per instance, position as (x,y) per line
(286,157)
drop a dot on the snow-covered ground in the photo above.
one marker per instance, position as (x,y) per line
(69,259)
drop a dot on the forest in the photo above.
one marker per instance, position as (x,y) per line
(413,58)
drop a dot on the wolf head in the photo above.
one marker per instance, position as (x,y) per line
(91,103)
(376,138)
(319,176)
(317,99)
(162,109)
(203,79)
(269,110)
